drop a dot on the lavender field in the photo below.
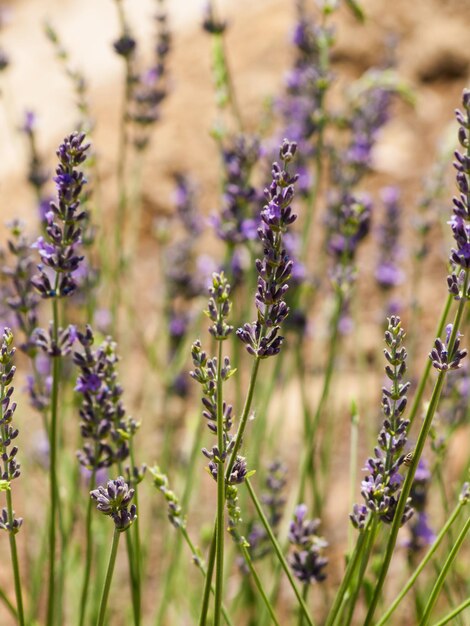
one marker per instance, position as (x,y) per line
(234,275)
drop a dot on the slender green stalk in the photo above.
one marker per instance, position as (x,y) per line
(353,452)
(259,586)
(121,178)
(365,556)
(7,602)
(175,550)
(414,464)
(324,61)
(427,370)
(348,575)
(12,538)
(307,469)
(244,417)
(200,565)
(443,573)
(132,573)
(53,483)
(15,564)
(304,596)
(136,545)
(208,582)
(450,616)
(232,459)
(421,566)
(278,551)
(109,577)
(220,536)
(88,555)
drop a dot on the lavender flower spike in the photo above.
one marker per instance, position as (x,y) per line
(113,500)
(261,337)
(58,247)
(306,560)
(381,487)
(460,221)
(8,452)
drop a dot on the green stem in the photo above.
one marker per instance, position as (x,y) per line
(7,602)
(202,569)
(365,556)
(12,539)
(175,550)
(137,546)
(208,581)
(443,573)
(53,444)
(348,575)
(88,554)
(132,573)
(244,417)
(427,370)
(307,464)
(304,596)
(353,453)
(414,464)
(450,616)
(219,574)
(421,566)
(232,459)
(109,577)
(259,586)
(15,563)
(121,179)
(278,551)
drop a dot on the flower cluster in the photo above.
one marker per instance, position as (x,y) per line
(306,560)
(8,433)
(261,337)
(211,24)
(146,89)
(421,535)
(23,301)
(58,247)
(234,516)
(387,273)
(301,106)
(440,357)
(236,222)
(460,222)
(175,513)
(381,487)
(206,373)
(104,424)
(53,345)
(114,500)
(348,223)
(274,501)
(37,174)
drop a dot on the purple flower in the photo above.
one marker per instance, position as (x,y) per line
(236,221)
(460,221)
(275,269)
(114,500)
(58,247)
(422,534)
(388,274)
(381,487)
(105,427)
(306,561)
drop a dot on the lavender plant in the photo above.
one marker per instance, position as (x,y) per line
(11,467)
